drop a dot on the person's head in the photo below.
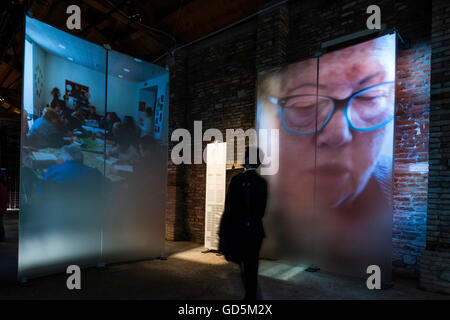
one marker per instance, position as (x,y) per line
(117,128)
(253,157)
(51,116)
(55,93)
(72,153)
(338,152)
(149,112)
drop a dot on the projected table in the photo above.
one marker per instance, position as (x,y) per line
(93,159)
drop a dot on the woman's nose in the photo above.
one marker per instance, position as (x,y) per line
(336,133)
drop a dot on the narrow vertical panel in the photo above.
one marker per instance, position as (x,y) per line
(133,221)
(215,191)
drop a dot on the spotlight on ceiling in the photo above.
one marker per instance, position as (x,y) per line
(133,13)
(120,76)
(126,69)
(70,59)
(62,46)
(137,60)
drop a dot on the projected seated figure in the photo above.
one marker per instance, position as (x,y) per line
(92,114)
(132,129)
(56,101)
(107,122)
(78,115)
(124,149)
(147,125)
(331,196)
(46,132)
(70,168)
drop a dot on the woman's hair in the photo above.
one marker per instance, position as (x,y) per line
(54,91)
(149,112)
(50,115)
(114,117)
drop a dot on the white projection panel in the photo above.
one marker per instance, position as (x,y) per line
(215,191)
(93,182)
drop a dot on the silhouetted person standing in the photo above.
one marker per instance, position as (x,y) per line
(241,230)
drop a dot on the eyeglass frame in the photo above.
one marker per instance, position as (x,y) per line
(345,105)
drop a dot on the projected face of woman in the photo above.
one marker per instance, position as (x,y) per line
(345,158)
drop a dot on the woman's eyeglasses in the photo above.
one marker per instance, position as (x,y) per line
(365,110)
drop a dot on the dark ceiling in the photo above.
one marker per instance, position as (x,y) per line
(140,28)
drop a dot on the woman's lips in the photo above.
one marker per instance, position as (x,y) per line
(330,169)
(330,174)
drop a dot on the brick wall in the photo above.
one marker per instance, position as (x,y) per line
(220,89)
(435,264)
(217,80)
(411,157)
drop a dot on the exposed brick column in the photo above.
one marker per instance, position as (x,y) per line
(435,260)
(176,181)
(272,37)
(411,157)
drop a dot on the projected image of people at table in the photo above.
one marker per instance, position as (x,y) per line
(63,180)
(94,154)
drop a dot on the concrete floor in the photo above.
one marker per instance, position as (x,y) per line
(190,274)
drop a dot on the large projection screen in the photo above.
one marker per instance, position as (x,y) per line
(331,201)
(93,173)
(134,223)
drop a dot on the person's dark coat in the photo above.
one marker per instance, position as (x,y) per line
(241,227)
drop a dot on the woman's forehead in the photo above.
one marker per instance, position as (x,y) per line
(349,64)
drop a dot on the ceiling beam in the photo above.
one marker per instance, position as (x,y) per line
(6,76)
(200,17)
(119,17)
(103,17)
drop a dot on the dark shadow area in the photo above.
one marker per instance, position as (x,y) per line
(190,274)
(9,250)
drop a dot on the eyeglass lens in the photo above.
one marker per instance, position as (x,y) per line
(365,110)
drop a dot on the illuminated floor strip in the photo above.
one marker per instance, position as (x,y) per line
(278,271)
